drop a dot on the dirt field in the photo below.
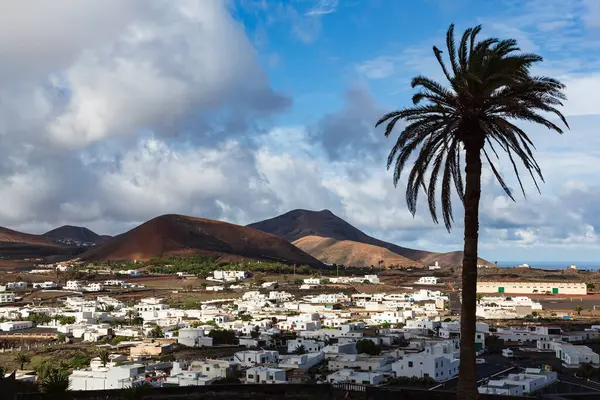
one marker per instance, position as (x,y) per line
(55,355)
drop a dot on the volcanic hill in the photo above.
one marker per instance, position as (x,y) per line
(297,224)
(172,235)
(348,252)
(76,233)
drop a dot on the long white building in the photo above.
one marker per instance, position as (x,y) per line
(575,288)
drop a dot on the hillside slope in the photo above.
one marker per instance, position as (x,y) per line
(297,224)
(76,233)
(182,235)
(18,245)
(350,253)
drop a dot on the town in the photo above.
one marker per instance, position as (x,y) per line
(348,332)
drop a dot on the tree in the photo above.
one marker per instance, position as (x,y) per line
(22,358)
(298,281)
(368,347)
(300,349)
(490,88)
(255,333)
(130,314)
(478,297)
(104,356)
(156,332)
(55,385)
(578,309)
(590,286)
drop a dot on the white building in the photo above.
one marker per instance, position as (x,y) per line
(351,376)
(304,361)
(250,358)
(117,377)
(573,356)
(229,276)
(265,375)
(312,281)
(11,326)
(531,380)
(422,365)
(94,287)
(434,266)
(44,285)
(7,297)
(13,286)
(575,288)
(428,280)
(74,285)
(194,337)
(311,346)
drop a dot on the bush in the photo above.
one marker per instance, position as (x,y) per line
(368,347)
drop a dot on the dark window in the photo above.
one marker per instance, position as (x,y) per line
(410,364)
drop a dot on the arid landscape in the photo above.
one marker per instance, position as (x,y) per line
(298,237)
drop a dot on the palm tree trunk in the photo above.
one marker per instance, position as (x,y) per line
(467,380)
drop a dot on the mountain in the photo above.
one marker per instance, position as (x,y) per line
(182,235)
(15,244)
(76,234)
(297,224)
(348,252)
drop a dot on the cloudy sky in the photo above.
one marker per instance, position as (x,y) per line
(113,112)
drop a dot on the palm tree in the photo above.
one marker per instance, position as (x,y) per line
(578,309)
(490,88)
(300,349)
(55,385)
(22,358)
(130,314)
(104,356)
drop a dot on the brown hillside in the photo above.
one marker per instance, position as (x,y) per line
(297,224)
(181,235)
(350,253)
(19,245)
(77,233)
(10,236)
(453,258)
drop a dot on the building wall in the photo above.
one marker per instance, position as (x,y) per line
(532,287)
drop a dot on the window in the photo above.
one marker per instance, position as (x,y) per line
(410,364)
(250,376)
(436,365)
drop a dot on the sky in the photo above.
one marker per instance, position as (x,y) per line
(114,112)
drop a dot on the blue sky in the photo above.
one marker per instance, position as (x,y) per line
(114,112)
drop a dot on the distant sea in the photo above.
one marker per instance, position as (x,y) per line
(594,265)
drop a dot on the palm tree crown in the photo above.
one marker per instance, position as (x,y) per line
(490,87)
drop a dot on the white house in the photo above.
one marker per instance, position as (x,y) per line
(229,276)
(117,377)
(304,361)
(265,375)
(531,380)
(434,266)
(74,285)
(94,287)
(421,365)
(13,286)
(194,337)
(45,285)
(311,346)
(573,356)
(250,358)
(11,326)
(351,376)
(312,281)
(7,297)
(428,280)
